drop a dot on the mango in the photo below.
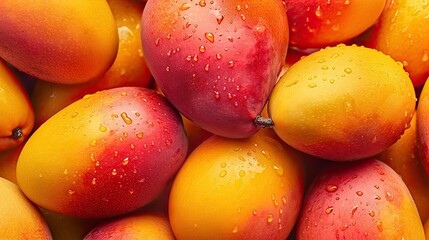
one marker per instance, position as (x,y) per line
(128,69)
(404,158)
(248,188)
(58,41)
(106,154)
(337,103)
(403,32)
(216,61)
(423,127)
(20,218)
(143,225)
(16,111)
(321,23)
(359,200)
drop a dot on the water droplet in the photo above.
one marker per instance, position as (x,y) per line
(66,171)
(222,173)
(202,3)
(329,210)
(331,188)
(207,67)
(218,56)
(74,114)
(376,197)
(255,212)
(348,70)
(270,218)
(359,193)
(425,57)
(380,226)
(389,196)
(157,41)
(279,170)
(318,12)
(125,118)
(167,142)
(93,143)
(125,161)
(371,213)
(71,191)
(242,173)
(93,181)
(312,85)
(231,64)
(354,209)
(184,6)
(216,95)
(376,186)
(346,2)
(238,7)
(114,172)
(345,227)
(202,49)
(102,128)
(219,19)
(235,229)
(209,36)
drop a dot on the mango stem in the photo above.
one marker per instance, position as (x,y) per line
(263,122)
(17,133)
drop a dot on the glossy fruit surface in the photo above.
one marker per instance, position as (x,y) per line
(216,61)
(359,200)
(106,154)
(16,111)
(58,41)
(238,189)
(343,103)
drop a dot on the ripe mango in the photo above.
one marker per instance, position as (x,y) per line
(343,103)
(16,111)
(20,218)
(141,225)
(58,41)
(216,61)
(364,199)
(106,154)
(128,69)
(248,188)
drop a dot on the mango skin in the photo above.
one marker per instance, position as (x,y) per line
(403,32)
(128,69)
(216,61)
(403,157)
(16,110)
(238,189)
(423,127)
(58,41)
(20,218)
(359,200)
(337,103)
(143,225)
(321,23)
(104,155)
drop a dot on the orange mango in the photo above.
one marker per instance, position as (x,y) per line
(143,225)
(403,32)
(58,41)
(336,103)
(238,189)
(106,154)
(128,69)
(404,158)
(320,23)
(359,200)
(20,218)
(16,111)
